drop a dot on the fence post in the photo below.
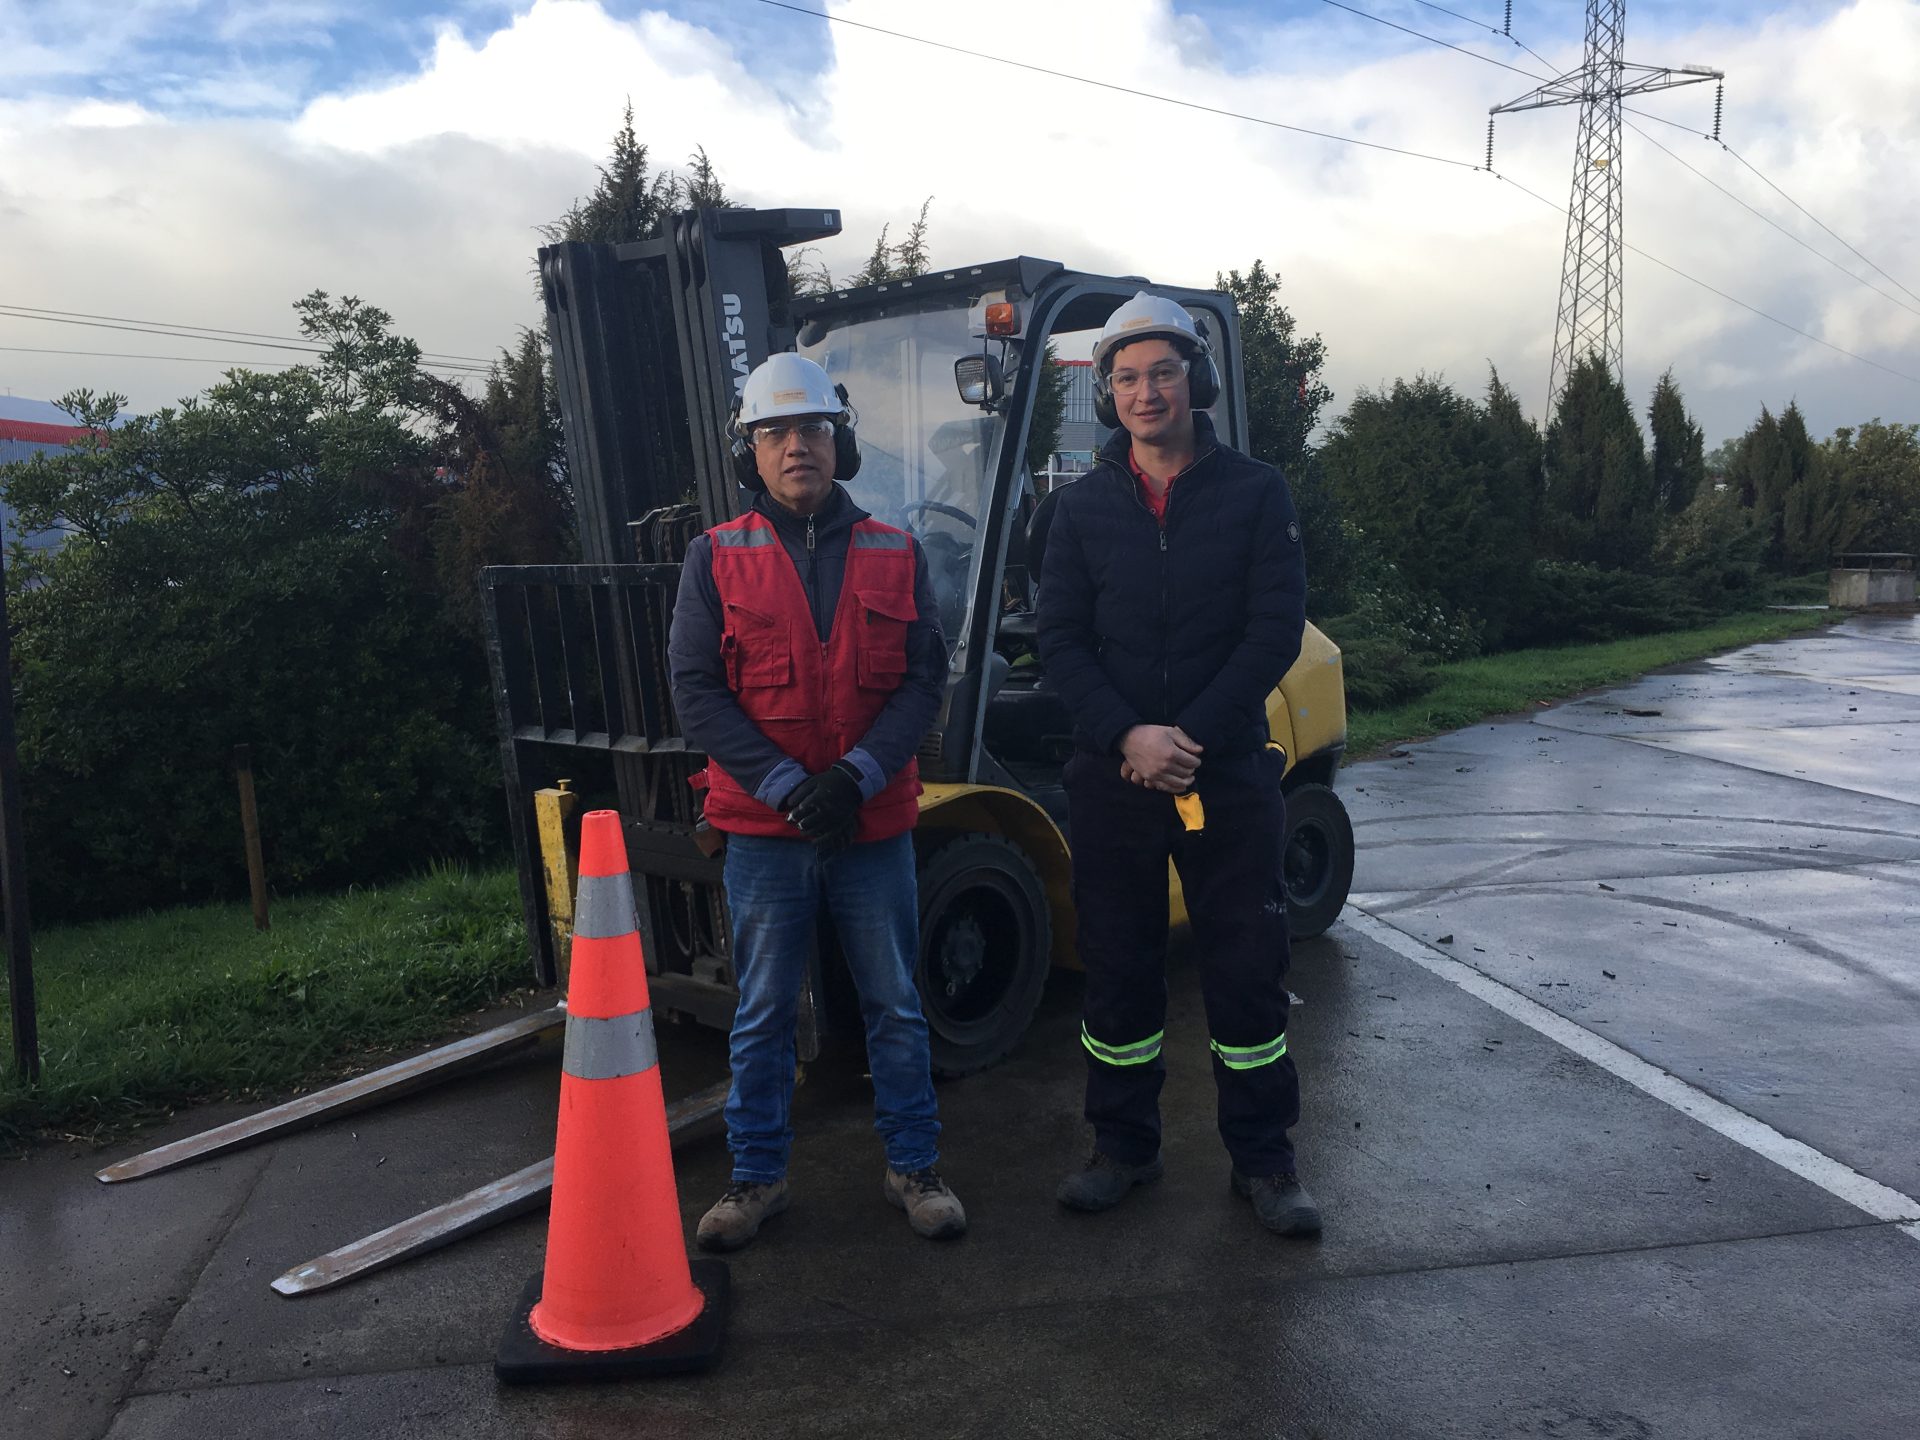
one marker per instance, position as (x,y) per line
(13,866)
(250,823)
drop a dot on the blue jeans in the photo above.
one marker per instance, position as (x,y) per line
(774,890)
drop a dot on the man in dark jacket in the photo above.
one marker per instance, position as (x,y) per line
(1172,601)
(807,663)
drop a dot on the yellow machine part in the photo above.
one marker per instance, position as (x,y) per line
(1308,712)
(553,814)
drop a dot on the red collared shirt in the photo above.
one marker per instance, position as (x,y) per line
(1156,501)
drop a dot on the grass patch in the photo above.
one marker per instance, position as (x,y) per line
(1470,690)
(143,1014)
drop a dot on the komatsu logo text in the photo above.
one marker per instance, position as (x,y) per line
(736,332)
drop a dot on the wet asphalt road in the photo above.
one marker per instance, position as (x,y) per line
(1519,1241)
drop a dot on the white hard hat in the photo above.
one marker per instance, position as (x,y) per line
(787,384)
(1141,318)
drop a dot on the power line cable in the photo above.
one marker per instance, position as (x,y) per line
(10,314)
(1809,214)
(1693,130)
(168,326)
(1491,29)
(249,363)
(1768,219)
(1435,39)
(1754,309)
(1118,89)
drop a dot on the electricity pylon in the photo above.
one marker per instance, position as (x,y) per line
(1589,321)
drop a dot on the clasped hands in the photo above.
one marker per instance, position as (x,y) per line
(1160,757)
(826,807)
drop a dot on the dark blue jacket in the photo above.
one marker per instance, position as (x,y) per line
(1191,625)
(710,716)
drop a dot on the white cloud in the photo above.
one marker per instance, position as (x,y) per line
(422,194)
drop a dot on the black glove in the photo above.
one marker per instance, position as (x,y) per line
(826,806)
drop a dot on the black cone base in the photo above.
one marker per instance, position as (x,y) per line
(525,1359)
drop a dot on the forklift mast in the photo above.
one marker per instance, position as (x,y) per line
(651,343)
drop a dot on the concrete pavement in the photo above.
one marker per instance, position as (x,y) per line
(1519,1241)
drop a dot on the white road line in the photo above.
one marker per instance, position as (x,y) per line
(1841,1181)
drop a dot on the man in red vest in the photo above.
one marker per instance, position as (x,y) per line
(807,663)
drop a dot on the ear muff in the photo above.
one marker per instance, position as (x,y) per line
(1203,389)
(846,448)
(740,454)
(1103,410)
(1203,381)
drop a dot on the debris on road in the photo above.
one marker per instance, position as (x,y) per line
(1446,940)
(1610,975)
(1643,713)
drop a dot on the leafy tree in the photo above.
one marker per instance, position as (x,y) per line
(1282,369)
(633,200)
(1774,473)
(911,256)
(1428,475)
(1285,395)
(1599,505)
(1710,553)
(503,499)
(1049,411)
(1720,462)
(1878,467)
(1679,461)
(259,564)
(1516,479)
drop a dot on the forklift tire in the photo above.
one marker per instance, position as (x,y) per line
(1316,860)
(985,946)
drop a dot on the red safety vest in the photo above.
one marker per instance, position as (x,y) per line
(815,701)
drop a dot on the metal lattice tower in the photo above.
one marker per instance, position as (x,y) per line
(1591,275)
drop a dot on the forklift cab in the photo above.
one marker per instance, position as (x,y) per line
(943,370)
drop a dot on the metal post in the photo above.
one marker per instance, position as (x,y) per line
(250,823)
(13,867)
(1591,316)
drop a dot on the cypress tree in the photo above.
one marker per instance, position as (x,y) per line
(1679,447)
(1599,505)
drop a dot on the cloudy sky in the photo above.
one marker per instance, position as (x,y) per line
(205,164)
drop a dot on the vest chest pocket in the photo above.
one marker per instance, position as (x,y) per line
(884,617)
(757,648)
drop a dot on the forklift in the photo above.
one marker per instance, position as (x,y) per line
(652,342)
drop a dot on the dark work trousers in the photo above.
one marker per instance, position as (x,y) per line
(1123,836)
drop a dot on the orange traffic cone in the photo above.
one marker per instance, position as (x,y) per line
(618,1296)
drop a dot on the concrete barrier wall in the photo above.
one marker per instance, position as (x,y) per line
(1869,589)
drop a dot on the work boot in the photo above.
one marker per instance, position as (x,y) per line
(1281,1202)
(932,1209)
(737,1215)
(1104,1182)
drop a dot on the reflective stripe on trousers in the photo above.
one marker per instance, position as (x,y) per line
(1250,1057)
(1138,1053)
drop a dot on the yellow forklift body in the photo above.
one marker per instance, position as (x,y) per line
(1308,712)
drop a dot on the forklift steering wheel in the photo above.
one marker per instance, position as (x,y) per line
(939,507)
